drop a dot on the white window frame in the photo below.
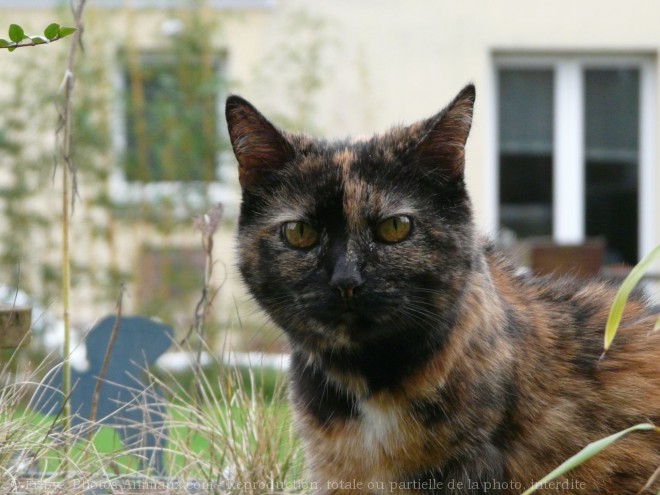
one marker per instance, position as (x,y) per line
(568,140)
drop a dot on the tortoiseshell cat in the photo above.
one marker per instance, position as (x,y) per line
(421,362)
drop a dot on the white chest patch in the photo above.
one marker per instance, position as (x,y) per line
(379,425)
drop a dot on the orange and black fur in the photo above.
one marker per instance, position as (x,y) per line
(421,362)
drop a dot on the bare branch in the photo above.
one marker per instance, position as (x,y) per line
(106,359)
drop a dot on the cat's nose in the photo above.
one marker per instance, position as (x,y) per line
(346,278)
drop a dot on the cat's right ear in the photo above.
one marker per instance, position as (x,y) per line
(259,147)
(442,148)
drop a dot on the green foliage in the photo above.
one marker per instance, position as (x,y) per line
(232,433)
(633,278)
(18,38)
(27,114)
(172,125)
(238,433)
(185,142)
(587,453)
(52,31)
(30,117)
(16,33)
(65,31)
(265,382)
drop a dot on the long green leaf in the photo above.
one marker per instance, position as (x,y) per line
(633,278)
(585,454)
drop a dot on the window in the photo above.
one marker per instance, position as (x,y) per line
(525,144)
(611,158)
(574,150)
(168,130)
(171,118)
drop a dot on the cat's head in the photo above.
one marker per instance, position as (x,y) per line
(346,244)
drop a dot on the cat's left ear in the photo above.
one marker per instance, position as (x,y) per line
(444,135)
(259,147)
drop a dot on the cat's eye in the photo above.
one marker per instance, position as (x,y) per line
(393,229)
(299,234)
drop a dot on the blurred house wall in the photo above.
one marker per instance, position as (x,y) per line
(379,62)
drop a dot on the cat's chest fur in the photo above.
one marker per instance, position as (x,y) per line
(381,426)
(379,445)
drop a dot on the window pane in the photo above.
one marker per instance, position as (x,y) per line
(171,120)
(611,155)
(525,150)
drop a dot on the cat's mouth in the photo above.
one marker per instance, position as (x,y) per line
(367,308)
(345,319)
(349,316)
(356,322)
(362,317)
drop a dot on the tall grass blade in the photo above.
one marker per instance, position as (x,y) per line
(633,278)
(585,454)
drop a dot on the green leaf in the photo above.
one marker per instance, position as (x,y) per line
(66,31)
(656,327)
(12,48)
(633,278)
(4,43)
(16,33)
(52,31)
(39,40)
(585,454)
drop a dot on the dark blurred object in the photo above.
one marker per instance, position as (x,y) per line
(125,401)
(580,260)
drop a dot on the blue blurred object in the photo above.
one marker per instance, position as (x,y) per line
(136,409)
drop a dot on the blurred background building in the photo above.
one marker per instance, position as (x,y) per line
(563,150)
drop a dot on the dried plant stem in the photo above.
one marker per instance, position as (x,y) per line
(106,359)
(69,186)
(204,304)
(66,289)
(207,224)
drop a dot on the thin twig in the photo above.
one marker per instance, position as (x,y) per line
(651,481)
(207,224)
(25,44)
(66,400)
(106,359)
(69,191)
(66,110)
